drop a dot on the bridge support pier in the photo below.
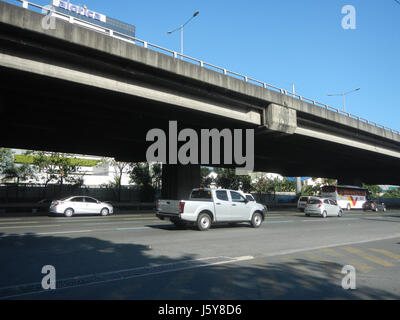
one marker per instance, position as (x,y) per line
(179,180)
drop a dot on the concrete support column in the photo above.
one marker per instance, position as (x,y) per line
(179,180)
(298,186)
(350,182)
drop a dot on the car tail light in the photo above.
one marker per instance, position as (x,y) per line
(56,203)
(181,207)
(320,203)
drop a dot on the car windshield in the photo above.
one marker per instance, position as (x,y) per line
(303,199)
(314,201)
(250,198)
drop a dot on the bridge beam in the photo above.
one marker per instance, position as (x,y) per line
(280,118)
(179,180)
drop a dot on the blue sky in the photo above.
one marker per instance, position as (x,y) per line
(284,42)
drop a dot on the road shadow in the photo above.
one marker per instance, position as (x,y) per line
(189,226)
(109,270)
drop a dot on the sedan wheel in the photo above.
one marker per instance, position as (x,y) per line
(104,212)
(69,212)
(340,213)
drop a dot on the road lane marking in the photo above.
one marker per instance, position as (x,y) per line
(62,232)
(366,256)
(359,265)
(41,226)
(133,228)
(22,222)
(107,223)
(331,252)
(282,221)
(291,251)
(387,253)
(91,279)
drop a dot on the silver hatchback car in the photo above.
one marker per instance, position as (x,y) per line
(80,205)
(323,207)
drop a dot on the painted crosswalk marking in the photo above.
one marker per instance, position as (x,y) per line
(387,253)
(369,257)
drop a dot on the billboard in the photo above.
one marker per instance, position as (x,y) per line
(101,20)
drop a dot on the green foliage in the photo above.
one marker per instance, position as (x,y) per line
(30,159)
(227,179)
(309,190)
(205,180)
(267,185)
(10,170)
(57,167)
(156,175)
(141,175)
(374,190)
(394,193)
(6,159)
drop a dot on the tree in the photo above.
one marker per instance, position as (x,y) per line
(205,179)
(10,170)
(156,174)
(374,190)
(120,168)
(394,193)
(57,167)
(227,179)
(6,160)
(141,175)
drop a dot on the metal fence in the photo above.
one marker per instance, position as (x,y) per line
(33,193)
(203,64)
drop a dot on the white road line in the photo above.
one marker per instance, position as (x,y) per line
(62,232)
(150,273)
(41,226)
(22,222)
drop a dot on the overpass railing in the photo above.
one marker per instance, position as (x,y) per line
(203,64)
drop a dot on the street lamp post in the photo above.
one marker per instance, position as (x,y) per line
(181,28)
(343,96)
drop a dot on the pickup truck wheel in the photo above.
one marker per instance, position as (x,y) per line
(204,222)
(256,220)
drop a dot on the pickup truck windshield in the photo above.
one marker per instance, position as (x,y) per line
(201,194)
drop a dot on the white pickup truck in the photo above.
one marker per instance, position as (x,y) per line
(208,206)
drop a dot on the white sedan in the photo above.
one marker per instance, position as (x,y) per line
(80,205)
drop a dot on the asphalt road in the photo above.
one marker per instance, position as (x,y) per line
(137,256)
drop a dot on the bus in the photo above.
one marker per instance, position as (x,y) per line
(347,197)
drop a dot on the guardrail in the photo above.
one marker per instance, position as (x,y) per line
(203,64)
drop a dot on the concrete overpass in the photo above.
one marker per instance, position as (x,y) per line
(72,89)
